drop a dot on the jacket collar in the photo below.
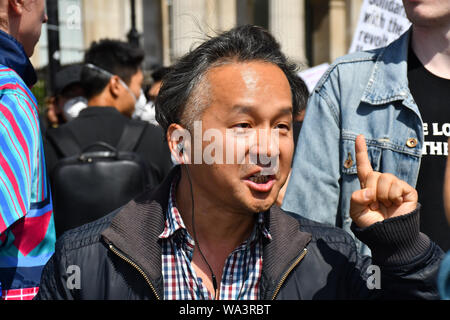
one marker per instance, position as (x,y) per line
(99,111)
(12,55)
(136,228)
(389,79)
(279,254)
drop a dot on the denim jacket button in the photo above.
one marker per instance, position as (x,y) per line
(411,143)
(349,162)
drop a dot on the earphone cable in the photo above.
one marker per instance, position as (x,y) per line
(213,276)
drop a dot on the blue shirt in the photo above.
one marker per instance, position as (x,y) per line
(27,233)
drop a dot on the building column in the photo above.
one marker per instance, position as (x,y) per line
(287,25)
(353,10)
(187,24)
(192,20)
(98,16)
(220,15)
(152,38)
(165,21)
(338,35)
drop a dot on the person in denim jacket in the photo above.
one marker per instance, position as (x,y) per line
(366,93)
(444,272)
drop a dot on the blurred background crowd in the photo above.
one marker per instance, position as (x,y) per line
(167,29)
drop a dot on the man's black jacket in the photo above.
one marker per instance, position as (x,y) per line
(119,257)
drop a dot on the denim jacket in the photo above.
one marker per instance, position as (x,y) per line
(361,93)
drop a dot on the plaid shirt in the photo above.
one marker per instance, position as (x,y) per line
(242,270)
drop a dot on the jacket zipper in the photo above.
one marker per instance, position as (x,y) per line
(296,262)
(134,265)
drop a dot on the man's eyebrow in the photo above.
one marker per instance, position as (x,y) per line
(287,110)
(250,109)
(242,109)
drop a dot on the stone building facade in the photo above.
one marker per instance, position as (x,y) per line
(310,31)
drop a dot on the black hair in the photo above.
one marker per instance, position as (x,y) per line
(159,73)
(117,57)
(242,43)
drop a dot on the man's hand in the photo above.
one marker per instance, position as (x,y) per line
(382,195)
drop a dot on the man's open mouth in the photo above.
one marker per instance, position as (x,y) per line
(260,179)
(260,183)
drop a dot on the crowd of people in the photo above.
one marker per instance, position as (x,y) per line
(225,178)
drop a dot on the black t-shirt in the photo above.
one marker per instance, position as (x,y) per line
(432,95)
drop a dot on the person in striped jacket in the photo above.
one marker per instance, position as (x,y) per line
(27,233)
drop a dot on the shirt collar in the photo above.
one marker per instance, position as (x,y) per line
(174,221)
(12,55)
(388,81)
(99,111)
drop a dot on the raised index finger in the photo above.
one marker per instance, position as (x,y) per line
(363,166)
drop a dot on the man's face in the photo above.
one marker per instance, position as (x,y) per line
(428,13)
(127,99)
(247,99)
(33,16)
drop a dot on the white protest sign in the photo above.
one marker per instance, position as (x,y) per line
(380,23)
(312,76)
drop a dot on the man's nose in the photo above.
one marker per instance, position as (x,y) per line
(45,20)
(267,148)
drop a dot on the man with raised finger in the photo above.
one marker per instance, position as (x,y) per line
(444,272)
(211,229)
(398,97)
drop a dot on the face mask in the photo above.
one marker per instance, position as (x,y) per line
(141,101)
(145,110)
(73,107)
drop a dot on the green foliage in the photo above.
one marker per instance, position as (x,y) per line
(40,92)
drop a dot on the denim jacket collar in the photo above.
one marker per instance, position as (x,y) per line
(12,55)
(389,79)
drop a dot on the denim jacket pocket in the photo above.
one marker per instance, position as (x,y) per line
(348,155)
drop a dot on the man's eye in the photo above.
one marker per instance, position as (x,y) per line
(241,126)
(282,126)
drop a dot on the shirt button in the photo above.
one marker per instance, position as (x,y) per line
(349,162)
(411,142)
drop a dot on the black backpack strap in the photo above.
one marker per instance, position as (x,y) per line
(131,135)
(64,140)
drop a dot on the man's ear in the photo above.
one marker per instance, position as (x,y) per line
(114,86)
(16,6)
(179,140)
